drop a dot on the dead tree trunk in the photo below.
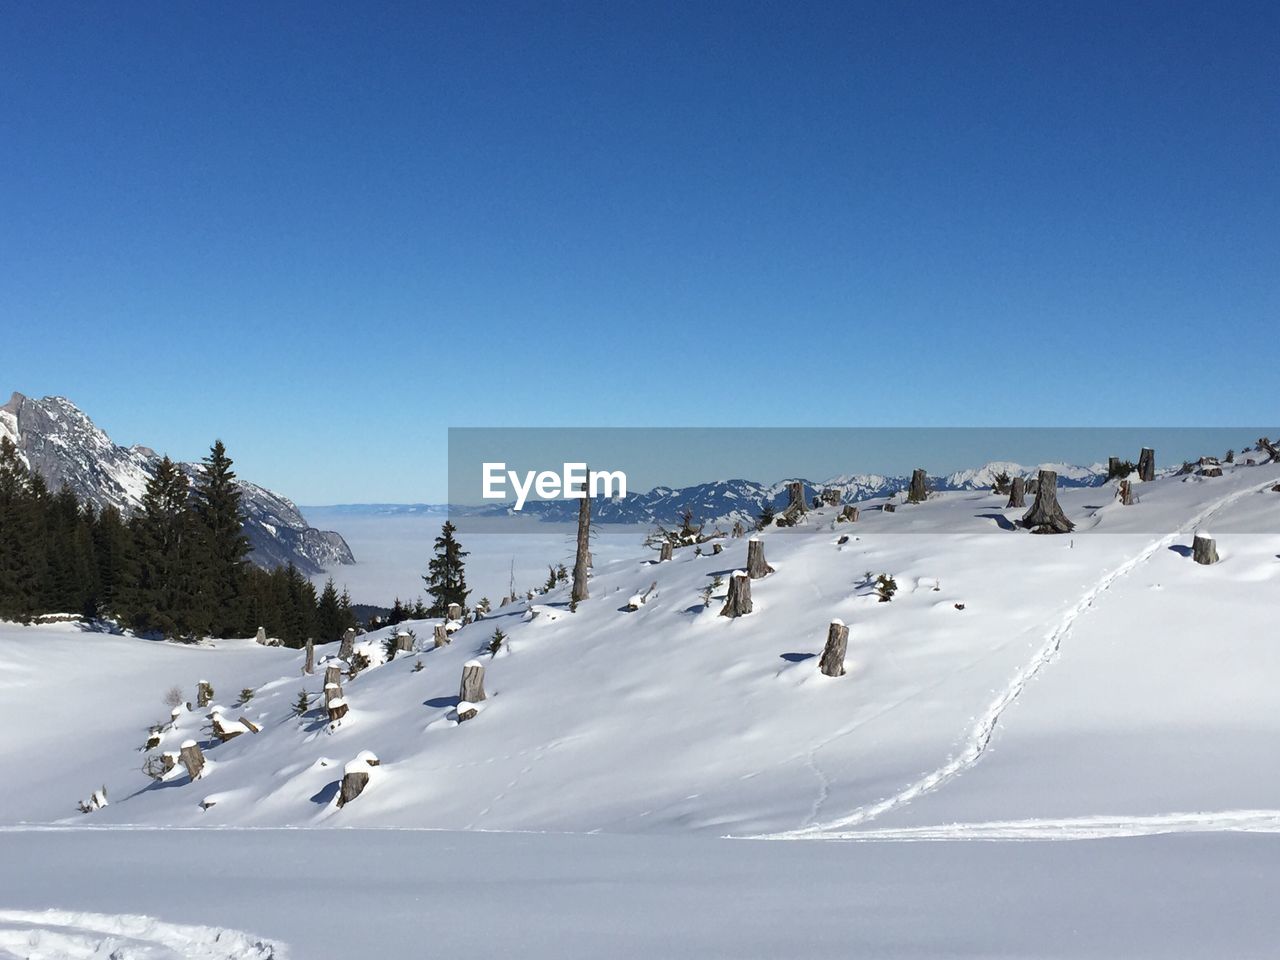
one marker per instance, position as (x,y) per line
(919,490)
(353,783)
(192,758)
(582,556)
(1125,493)
(738,601)
(1204,549)
(1147,465)
(472,688)
(666,552)
(832,662)
(309,666)
(441,635)
(757,569)
(204,693)
(348,646)
(1045,515)
(1017,493)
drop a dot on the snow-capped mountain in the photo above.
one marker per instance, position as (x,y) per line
(724,501)
(60,443)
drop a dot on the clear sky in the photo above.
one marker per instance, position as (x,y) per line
(326,233)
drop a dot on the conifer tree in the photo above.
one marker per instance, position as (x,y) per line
(161,589)
(19,533)
(223,547)
(445,578)
(329,626)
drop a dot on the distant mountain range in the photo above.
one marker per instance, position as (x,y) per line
(60,443)
(724,501)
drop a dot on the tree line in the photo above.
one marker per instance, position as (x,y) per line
(178,567)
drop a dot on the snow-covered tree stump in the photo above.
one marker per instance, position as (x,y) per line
(404,641)
(355,777)
(1017,493)
(666,552)
(1147,465)
(1045,515)
(848,515)
(831,496)
(309,665)
(832,662)
(1204,549)
(332,692)
(455,611)
(795,498)
(472,687)
(440,635)
(757,569)
(204,693)
(153,739)
(1125,493)
(738,601)
(262,636)
(225,729)
(348,646)
(337,709)
(919,489)
(1113,468)
(717,549)
(192,757)
(738,530)
(333,674)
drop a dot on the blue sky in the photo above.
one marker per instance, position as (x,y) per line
(328,233)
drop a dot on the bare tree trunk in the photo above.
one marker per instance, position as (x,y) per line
(1147,465)
(440,635)
(738,601)
(472,688)
(1017,493)
(192,758)
(1125,493)
(832,662)
(757,569)
(309,667)
(1204,549)
(919,490)
(1045,515)
(582,556)
(347,648)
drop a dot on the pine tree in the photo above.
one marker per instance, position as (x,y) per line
(110,549)
(223,548)
(161,590)
(445,578)
(329,626)
(19,537)
(766,516)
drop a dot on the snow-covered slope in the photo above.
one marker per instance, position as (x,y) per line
(58,441)
(1078,657)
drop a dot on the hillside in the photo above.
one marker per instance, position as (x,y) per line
(59,442)
(1093,683)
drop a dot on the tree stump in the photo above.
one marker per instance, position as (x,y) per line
(153,739)
(717,549)
(455,611)
(332,692)
(1113,468)
(309,666)
(472,688)
(757,569)
(1210,471)
(262,636)
(1045,515)
(337,709)
(795,498)
(666,552)
(832,662)
(355,777)
(404,641)
(1125,493)
(831,496)
(204,693)
(738,601)
(889,507)
(1147,465)
(225,729)
(738,530)
(192,757)
(1204,549)
(919,489)
(848,515)
(440,635)
(347,648)
(333,673)
(1017,493)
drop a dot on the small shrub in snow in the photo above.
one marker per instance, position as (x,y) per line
(418,665)
(1001,484)
(173,697)
(496,641)
(359,664)
(390,647)
(886,587)
(766,516)
(245,696)
(302,704)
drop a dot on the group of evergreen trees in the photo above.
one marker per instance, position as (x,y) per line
(179,567)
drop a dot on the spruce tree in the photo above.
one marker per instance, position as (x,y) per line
(223,547)
(445,578)
(329,626)
(161,590)
(19,536)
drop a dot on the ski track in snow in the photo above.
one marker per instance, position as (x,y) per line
(980,736)
(66,935)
